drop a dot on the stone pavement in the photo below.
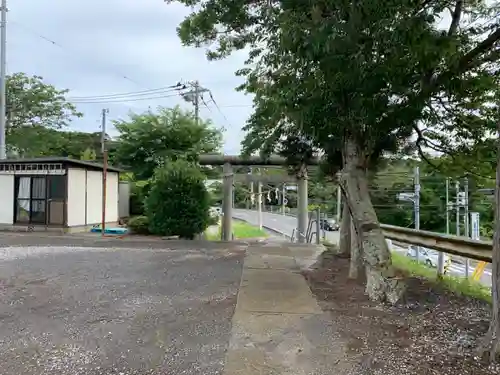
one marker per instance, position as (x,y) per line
(278,327)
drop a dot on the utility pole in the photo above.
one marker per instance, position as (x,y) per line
(283,199)
(441,254)
(457,206)
(259,204)
(339,202)
(252,195)
(3,68)
(196,101)
(104,169)
(416,204)
(466,221)
(194,96)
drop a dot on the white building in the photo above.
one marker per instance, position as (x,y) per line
(58,194)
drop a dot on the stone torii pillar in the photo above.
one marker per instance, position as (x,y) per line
(302,205)
(227,203)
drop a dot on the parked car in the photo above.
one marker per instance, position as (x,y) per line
(427,256)
(329,225)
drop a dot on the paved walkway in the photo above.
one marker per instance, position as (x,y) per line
(278,327)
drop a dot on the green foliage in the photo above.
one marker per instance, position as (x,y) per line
(241,194)
(36,141)
(178,202)
(138,193)
(457,285)
(88,154)
(32,102)
(213,220)
(149,140)
(241,230)
(139,224)
(384,75)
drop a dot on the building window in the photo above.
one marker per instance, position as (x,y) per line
(40,199)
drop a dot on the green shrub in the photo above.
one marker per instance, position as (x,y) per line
(138,193)
(178,202)
(213,220)
(139,224)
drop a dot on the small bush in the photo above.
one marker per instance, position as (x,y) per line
(178,202)
(139,224)
(213,220)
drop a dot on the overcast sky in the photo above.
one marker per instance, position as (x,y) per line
(101,47)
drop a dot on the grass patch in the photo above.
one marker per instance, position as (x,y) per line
(241,230)
(457,285)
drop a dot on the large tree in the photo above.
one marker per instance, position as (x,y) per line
(370,74)
(148,140)
(32,102)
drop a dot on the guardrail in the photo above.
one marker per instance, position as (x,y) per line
(462,246)
(455,245)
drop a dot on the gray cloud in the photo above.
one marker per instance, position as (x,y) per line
(99,43)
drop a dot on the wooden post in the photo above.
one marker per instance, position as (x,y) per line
(104,190)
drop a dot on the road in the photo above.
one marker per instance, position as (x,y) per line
(115,307)
(287,224)
(281,223)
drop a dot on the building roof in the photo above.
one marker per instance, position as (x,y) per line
(85,164)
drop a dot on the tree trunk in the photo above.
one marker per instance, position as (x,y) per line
(356,264)
(381,282)
(491,344)
(345,230)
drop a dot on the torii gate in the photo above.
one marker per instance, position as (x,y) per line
(228,161)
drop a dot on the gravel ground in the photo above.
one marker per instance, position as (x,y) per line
(433,333)
(115,307)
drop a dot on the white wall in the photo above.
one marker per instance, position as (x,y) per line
(112,197)
(94,197)
(7,194)
(123,199)
(76,196)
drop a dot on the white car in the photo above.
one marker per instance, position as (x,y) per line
(427,256)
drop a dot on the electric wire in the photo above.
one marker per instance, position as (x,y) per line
(125,95)
(125,100)
(65,49)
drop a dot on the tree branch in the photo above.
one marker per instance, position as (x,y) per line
(455,18)
(466,61)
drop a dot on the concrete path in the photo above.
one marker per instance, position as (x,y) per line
(278,327)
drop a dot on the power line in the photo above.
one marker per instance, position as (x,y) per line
(159,90)
(125,100)
(64,48)
(218,108)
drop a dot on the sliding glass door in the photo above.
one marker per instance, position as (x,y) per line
(40,199)
(23,200)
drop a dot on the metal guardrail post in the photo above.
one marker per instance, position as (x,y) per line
(309,227)
(309,239)
(318,226)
